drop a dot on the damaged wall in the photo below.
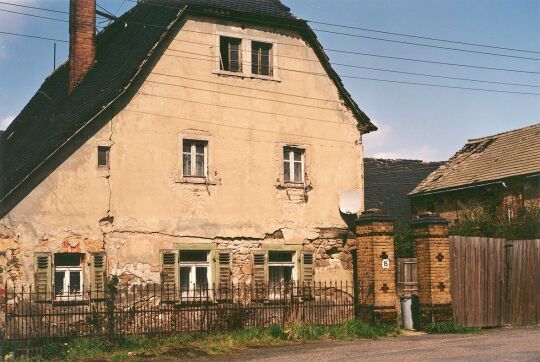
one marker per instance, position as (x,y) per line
(143,204)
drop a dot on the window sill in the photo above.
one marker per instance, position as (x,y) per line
(196,181)
(294,185)
(69,302)
(243,75)
(103,171)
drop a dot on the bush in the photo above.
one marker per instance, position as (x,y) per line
(489,221)
(403,240)
(449,327)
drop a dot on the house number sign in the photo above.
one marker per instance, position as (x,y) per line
(385,263)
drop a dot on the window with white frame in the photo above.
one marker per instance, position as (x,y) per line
(293,165)
(261,58)
(68,276)
(195,158)
(195,273)
(281,267)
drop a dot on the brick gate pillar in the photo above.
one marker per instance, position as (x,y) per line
(375,268)
(432,248)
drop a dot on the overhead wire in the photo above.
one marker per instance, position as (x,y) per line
(34,16)
(34,7)
(423,37)
(355,66)
(375,55)
(383,32)
(394,81)
(373,68)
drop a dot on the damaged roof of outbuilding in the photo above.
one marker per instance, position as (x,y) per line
(54,117)
(487,159)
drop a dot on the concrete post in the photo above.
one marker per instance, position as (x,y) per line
(375,267)
(432,250)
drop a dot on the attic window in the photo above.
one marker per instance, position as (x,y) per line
(261,58)
(103,156)
(230,52)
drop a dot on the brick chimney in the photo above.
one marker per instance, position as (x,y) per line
(82,46)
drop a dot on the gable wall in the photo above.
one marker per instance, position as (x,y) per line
(141,206)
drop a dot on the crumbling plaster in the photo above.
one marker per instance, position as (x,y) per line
(139,206)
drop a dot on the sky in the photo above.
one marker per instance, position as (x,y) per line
(415,122)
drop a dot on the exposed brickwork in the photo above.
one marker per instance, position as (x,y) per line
(82,48)
(376,285)
(433,256)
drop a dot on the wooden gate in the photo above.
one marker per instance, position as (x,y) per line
(495,281)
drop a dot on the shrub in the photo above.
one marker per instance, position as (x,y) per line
(403,240)
(489,221)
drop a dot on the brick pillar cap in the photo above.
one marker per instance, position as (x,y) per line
(429,218)
(373,215)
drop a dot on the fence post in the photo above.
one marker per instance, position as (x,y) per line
(432,248)
(375,269)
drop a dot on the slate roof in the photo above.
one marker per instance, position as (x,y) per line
(487,159)
(52,118)
(387,183)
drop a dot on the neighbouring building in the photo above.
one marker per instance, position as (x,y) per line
(504,167)
(188,143)
(387,183)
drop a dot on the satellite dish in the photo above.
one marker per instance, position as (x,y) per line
(349,202)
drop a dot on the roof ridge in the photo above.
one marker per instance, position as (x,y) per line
(485,138)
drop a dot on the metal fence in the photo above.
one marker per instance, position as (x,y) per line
(153,309)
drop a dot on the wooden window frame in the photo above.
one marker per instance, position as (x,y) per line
(257,47)
(291,150)
(67,270)
(191,295)
(193,158)
(228,40)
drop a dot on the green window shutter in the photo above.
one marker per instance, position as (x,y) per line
(43,276)
(223,268)
(260,267)
(307,274)
(169,275)
(223,280)
(260,274)
(98,277)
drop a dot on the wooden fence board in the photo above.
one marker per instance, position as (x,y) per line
(494,281)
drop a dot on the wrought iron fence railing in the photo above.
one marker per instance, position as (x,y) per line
(155,309)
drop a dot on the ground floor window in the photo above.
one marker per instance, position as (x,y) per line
(195,273)
(281,266)
(68,276)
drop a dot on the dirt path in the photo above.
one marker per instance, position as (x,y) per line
(516,344)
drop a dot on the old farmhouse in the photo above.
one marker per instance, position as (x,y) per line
(504,168)
(190,142)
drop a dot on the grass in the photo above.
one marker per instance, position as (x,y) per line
(449,327)
(188,345)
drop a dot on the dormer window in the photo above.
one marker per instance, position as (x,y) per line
(230,54)
(261,58)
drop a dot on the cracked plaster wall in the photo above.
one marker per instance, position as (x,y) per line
(142,205)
